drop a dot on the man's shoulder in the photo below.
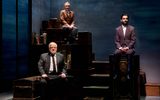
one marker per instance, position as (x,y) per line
(62,11)
(44,54)
(72,11)
(119,27)
(59,53)
(131,27)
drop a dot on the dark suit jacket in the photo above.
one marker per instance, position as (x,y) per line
(125,41)
(65,19)
(44,63)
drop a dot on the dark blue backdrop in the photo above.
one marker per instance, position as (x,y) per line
(100,17)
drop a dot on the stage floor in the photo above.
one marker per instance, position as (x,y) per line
(9,96)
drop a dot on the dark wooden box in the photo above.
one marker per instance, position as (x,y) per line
(84,38)
(27,88)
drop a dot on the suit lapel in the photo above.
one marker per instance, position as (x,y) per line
(127,31)
(121,31)
(48,61)
(68,15)
(57,59)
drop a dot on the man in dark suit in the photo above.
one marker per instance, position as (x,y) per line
(46,62)
(125,40)
(68,22)
(125,37)
(52,69)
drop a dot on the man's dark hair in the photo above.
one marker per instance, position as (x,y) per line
(124,14)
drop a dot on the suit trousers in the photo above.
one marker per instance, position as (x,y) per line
(53,86)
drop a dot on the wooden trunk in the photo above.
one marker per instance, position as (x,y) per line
(26,88)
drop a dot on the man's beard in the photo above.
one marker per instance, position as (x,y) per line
(125,23)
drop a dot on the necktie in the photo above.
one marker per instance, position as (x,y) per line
(54,65)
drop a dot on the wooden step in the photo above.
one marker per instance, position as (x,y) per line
(99,79)
(100,75)
(101,67)
(96,87)
(96,90)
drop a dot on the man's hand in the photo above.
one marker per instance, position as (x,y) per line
(63,75)
(124,49)
(44,76)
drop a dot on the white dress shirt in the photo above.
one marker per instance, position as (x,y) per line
(51,69)
(124,30)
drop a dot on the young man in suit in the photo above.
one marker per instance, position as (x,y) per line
(125,40)
(125,37)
